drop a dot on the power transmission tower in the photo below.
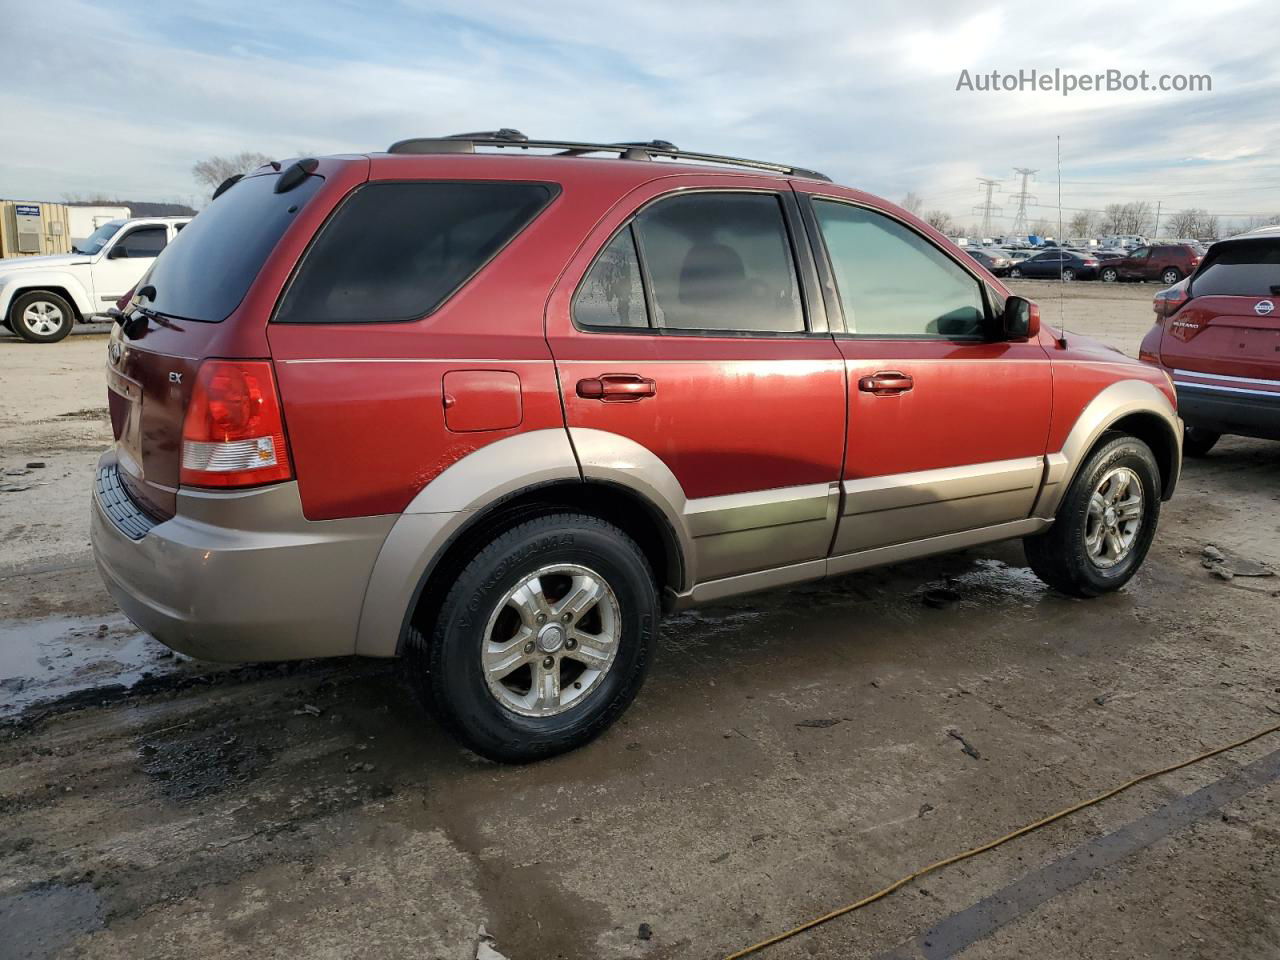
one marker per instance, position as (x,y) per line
(987,206)
(1019,227)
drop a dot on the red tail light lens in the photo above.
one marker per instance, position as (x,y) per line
(233,435)
(1167,302)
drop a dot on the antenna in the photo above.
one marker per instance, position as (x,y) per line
(1062,284)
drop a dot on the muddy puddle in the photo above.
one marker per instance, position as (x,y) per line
(56,657)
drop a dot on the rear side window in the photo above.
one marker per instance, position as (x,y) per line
(895,283)
(1246,269)
(207,269)
(720,262)
(397,251)
(612,294)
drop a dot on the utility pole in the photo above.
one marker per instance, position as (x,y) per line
(1155,234)
(987,206)
(1024,198)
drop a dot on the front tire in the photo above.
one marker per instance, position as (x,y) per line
(41,317)
(1109,275)
(1197,442)
(1015,273)
(543,640)
(1105,524)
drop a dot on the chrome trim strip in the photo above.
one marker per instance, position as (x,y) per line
(1214,388)
(1223,376)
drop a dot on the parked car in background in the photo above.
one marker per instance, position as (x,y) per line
(1166,263)
(1125,242)
(420,411)
(1053,264)
(997,261)
(41,298)
(1217,333)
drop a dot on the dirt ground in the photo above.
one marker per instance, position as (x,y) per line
(791,752)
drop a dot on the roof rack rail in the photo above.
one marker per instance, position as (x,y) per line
(507,138)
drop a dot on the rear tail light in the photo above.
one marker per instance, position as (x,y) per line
(233,435)
(1167,302)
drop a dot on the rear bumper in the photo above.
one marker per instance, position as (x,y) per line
(239,575)
(1237,410)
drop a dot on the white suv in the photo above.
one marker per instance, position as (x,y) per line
(42,297)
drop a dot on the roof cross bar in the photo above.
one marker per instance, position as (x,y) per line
(509,139)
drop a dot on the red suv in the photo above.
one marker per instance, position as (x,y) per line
(493,405)
(1167,263)
(1218,333)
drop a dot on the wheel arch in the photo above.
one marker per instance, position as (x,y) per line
(1136,407)
(491,490)
(52,284)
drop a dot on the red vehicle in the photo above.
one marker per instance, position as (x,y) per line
(1218,333)
(494,411)
(1166,262)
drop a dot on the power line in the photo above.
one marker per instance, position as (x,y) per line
(1024,198)
(987,206)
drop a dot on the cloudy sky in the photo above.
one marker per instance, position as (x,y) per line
(121,98)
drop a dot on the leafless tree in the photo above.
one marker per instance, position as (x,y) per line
(1208,227)
(1083,223)
(1133,218)
(1042,228)
(213,171)
(101,198)
(1186,223)
(913,202)
(941,221)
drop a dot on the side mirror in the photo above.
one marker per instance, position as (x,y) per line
(1021,319)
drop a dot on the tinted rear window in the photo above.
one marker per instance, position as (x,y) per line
(207,269)
(1247,269)
(396,251)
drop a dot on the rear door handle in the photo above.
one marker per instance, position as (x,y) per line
(886,383)
(617,388)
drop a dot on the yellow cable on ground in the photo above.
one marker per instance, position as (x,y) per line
(990,845)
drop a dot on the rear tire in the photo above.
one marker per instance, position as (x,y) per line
(1068,275)
(1090,550)
(41,317)
(1170,277)
(1197,442)
(505,608)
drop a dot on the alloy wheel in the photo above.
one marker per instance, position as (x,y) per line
(1114,517)
(42,318)
(551,640)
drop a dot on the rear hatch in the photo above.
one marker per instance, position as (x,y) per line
(1230,328)
(209,294)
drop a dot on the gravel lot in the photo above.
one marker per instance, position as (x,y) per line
(792,751)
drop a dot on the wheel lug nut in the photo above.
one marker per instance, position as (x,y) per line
(542,618)
(549,662)
(528,647)
(566,618)
(570,643)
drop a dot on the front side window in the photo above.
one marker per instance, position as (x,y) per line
(143,242)
(720,262)
(892,281)
(612,293)
(397,251)
(1140,254)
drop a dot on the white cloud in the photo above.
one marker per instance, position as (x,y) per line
(867,95)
